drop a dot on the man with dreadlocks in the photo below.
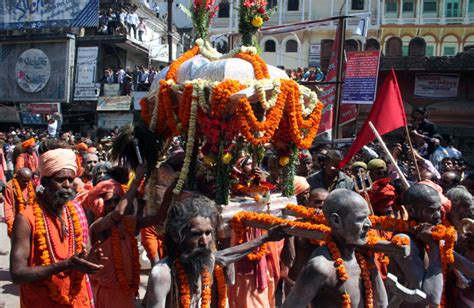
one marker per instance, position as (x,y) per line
(185,277)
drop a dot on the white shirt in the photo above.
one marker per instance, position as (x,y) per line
(52,128)
(132,18)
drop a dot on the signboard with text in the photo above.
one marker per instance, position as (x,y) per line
(40,108)
(36,14)
(111,120)
(114,103)
(360,83)
(86,65)
(436,85)
(314,55)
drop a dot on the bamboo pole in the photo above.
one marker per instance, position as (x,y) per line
(392,160)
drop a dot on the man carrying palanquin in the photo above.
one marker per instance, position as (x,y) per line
(335,276)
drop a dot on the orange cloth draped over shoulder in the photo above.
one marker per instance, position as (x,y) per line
(25,160)
(36,294)
(107,290)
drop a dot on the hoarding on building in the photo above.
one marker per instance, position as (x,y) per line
(36,14)
(37,71)
(85,87)
(436,86)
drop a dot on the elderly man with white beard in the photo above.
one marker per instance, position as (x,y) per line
(186,275)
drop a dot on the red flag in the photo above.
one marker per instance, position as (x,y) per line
(387,114)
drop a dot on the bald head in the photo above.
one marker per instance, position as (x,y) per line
(343,202)
(424,204)
(347,213)
(449,179)
(24,176)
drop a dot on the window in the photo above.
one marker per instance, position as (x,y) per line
(452,8)
(224,9)
(291,46)
(408,6)
(449,51)
(293,5)
(270,46)
(391,6)
(430,51)
(272,4)
(430,6)
(405,50)
(471,6)
(357,5)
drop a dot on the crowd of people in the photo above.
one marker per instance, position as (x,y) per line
(122,21)
(138,79)
(305,74)
(74,215)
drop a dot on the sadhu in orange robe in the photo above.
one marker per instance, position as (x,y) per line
(36,294)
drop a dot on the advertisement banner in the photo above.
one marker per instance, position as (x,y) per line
(86,65)
(360,83)
(40,108)
(42,73)
(436,86)
(114,103)
(111,120)
(36,14)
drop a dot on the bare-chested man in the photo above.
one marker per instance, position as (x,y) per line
(189,240)
(347,214)
(422,268)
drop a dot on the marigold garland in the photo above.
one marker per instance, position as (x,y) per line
(367,282)
(47,259)
(442,233)
(145,112)
(239,227)
(117,256)
(21,204)
(221,286)
(173,68)
(184,289)
(259,66)
(221,94)
(308,213)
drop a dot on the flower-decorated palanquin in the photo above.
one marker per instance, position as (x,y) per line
(215,101)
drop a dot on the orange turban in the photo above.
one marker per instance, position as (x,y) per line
(95,197)
(54,161)
(300,184)
(382,195)
(82,147)
(28,143)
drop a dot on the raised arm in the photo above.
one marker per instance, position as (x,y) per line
(307,285)
(380,292)
(235,253)
(112,218)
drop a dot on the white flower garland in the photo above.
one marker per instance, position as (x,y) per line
(312,100)
(259,86)
(197,92)
(206,50)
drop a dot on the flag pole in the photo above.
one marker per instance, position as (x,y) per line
(392,160)
(413,153)
(340,72)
